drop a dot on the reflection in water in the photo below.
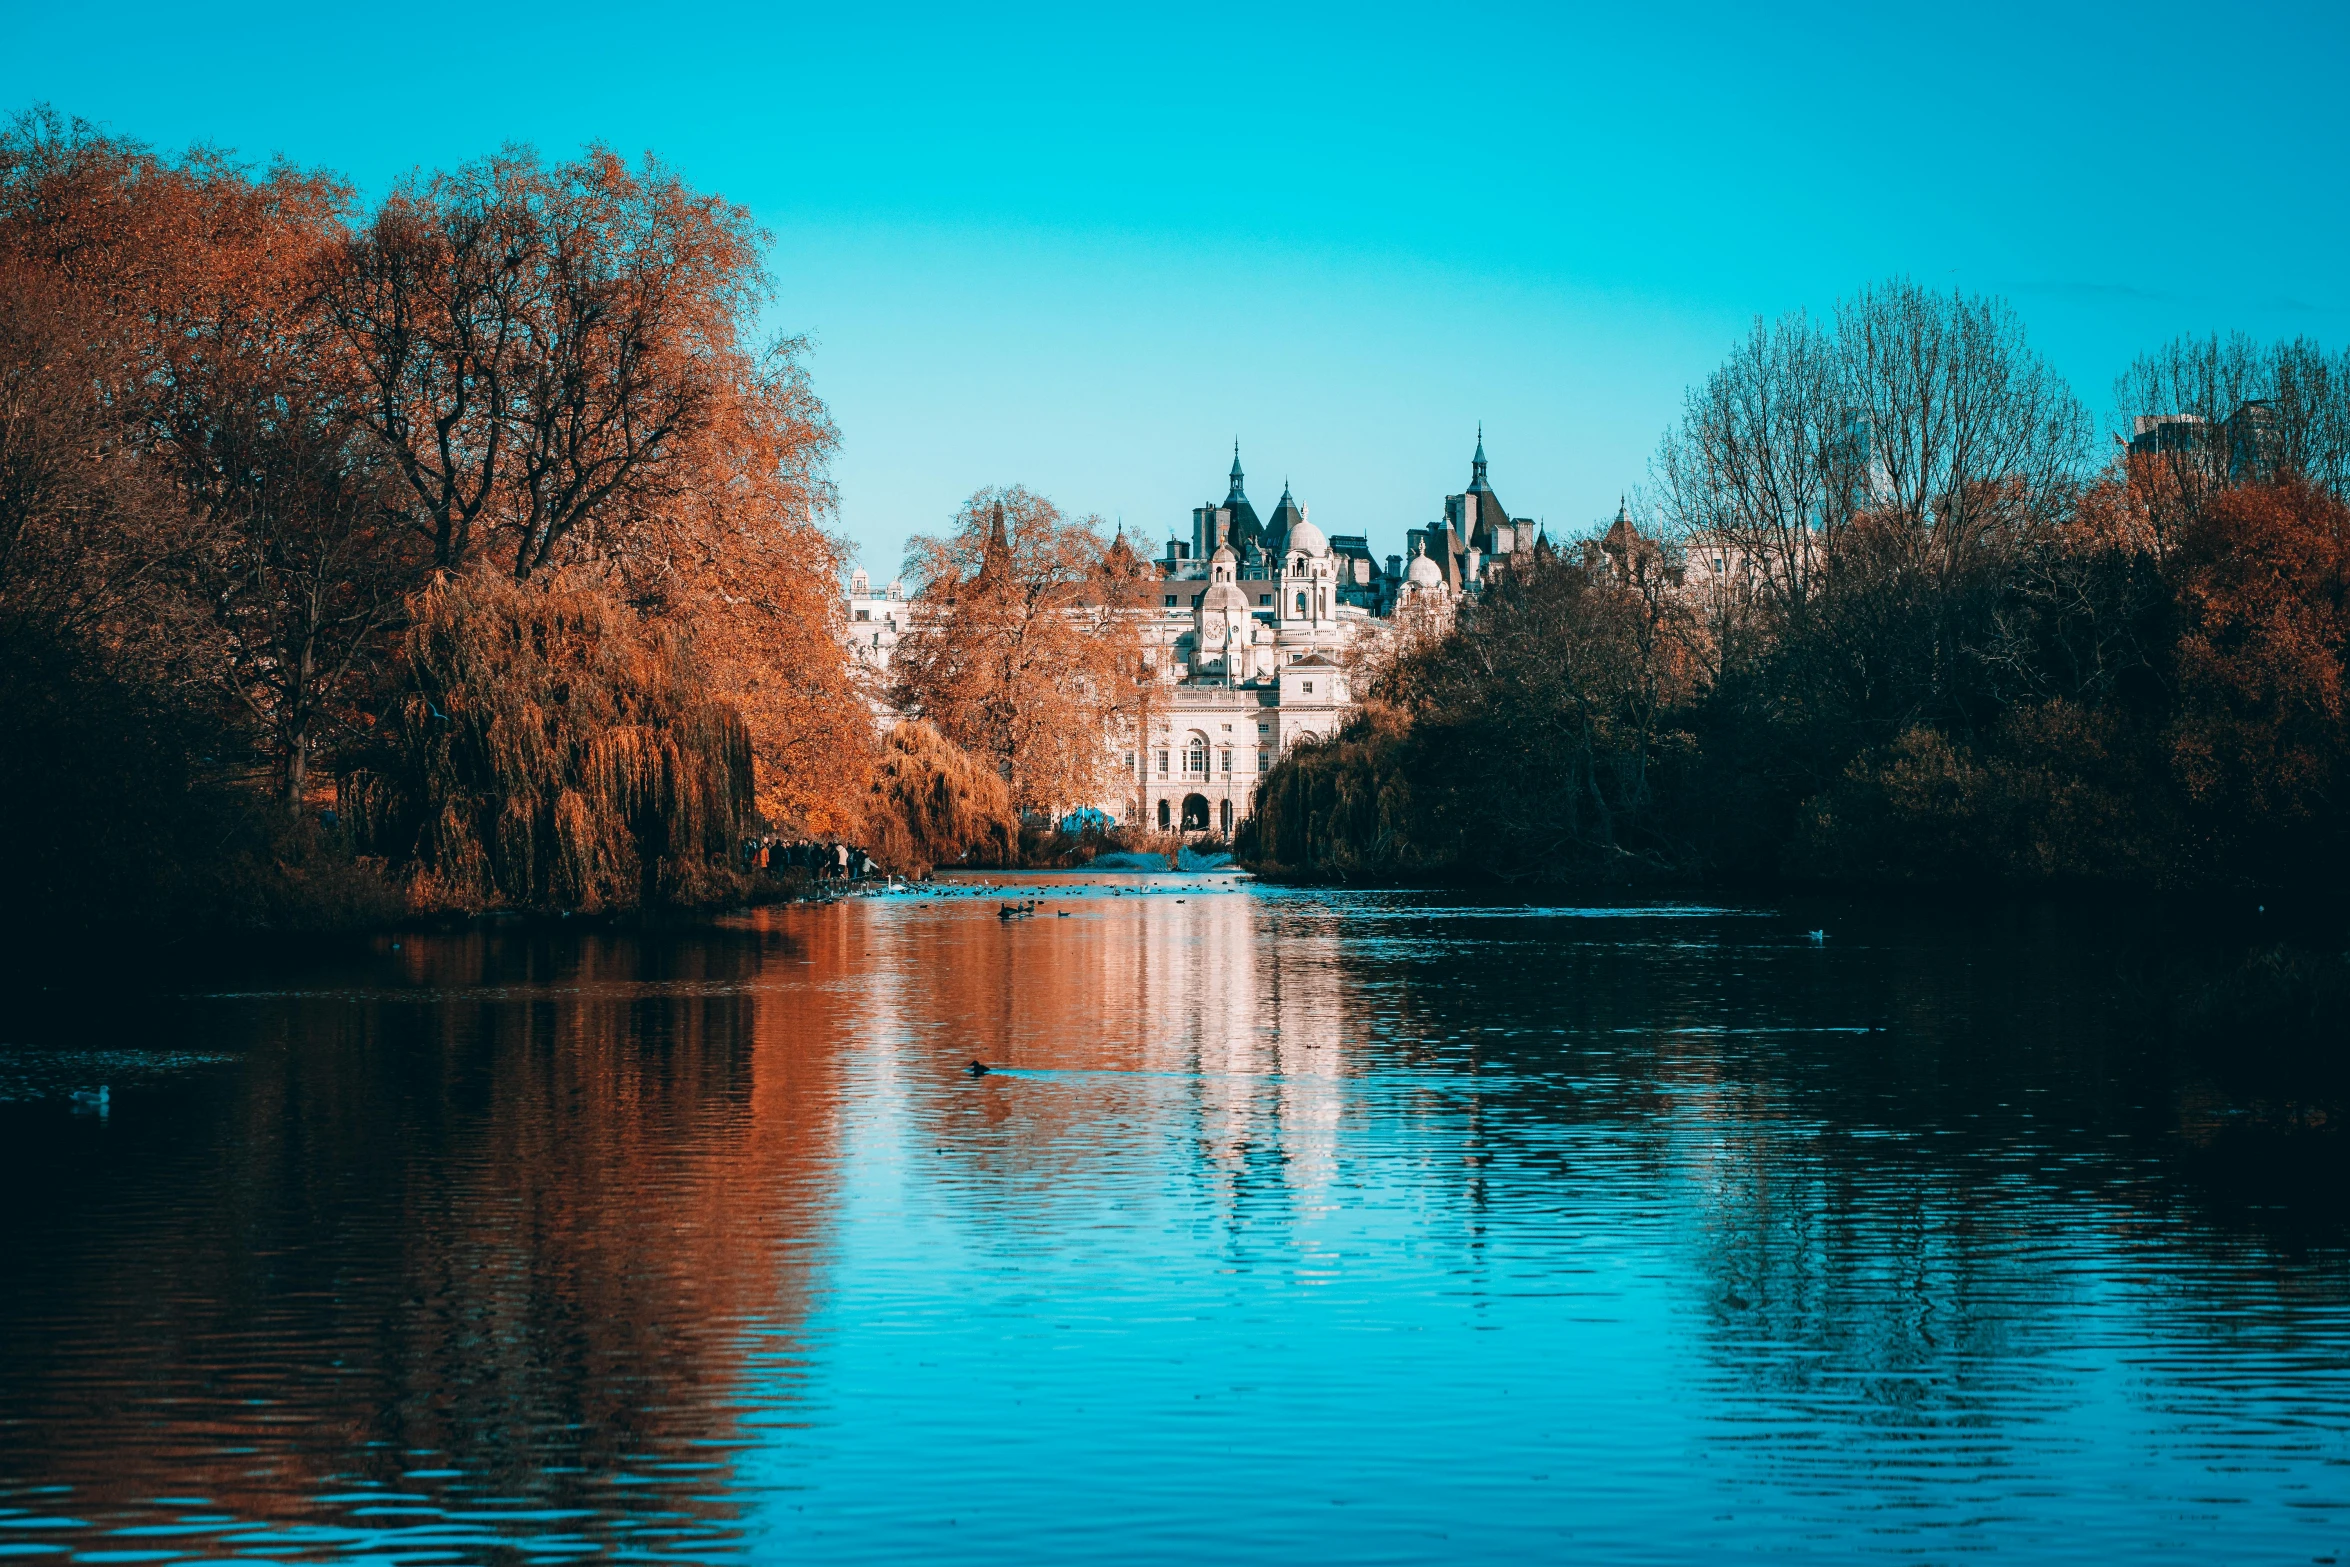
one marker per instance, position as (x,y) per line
(438,1270)
(1320,1225)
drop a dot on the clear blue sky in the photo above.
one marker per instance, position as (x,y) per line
(1082,250)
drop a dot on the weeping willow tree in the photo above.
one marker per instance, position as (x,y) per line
(550,749)
(933,803)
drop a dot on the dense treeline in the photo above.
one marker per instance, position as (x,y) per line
(1891,618)
(476,512)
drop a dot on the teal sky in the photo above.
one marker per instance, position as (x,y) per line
(1084,249)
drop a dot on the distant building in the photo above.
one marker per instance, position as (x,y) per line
(1253,628)
(2245,441)
(875,621)
(2157,433)
(1477,535)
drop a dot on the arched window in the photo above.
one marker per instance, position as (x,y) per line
(1195,759)
(1301,606)
(1225,812)
(1166,817)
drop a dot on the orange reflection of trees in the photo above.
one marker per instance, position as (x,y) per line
(508,1238)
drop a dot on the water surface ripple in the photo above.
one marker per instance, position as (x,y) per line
(1288,1226)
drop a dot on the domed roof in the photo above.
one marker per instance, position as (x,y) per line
(1223,556)
(1223,595)
(1306,539)
(1424,573)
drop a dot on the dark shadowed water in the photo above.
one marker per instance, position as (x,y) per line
(1293,1227)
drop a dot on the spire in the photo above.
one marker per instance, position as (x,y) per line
(1286,516)
(1236,497)
(1621,535)
(998,554)
(1478,462)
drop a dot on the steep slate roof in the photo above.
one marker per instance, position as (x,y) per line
(1285,517)
(1490,510)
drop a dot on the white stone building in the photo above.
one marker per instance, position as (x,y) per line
(1255,632)
(875,621)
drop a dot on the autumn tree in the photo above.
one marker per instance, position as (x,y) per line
(555,360)
(101,690)
(744,555)
(933,803)
(300,557)
(2261,741)
(546,747)
(2204,414)
(288,433)
(540,346)
(88,542)
(196,284)
(84,513)
(1020,651)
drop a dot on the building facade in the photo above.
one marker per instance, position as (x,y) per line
(1252,628)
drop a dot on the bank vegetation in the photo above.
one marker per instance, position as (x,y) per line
(465,550)
(1890,614)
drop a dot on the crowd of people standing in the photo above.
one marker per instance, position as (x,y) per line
(818,860)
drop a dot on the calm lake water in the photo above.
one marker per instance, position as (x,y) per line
(1296,1226)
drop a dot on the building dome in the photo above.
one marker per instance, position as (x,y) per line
(1223,556)
(1223,595)
(1306,539)
(1424,572)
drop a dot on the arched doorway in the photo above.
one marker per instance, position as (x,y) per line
(1224,815)
(1195,813)
(1165,816)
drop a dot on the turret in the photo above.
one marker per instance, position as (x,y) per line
(997,557)
(1240,528)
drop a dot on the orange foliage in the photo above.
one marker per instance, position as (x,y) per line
(2264,587)
(742,556)
(1021,654)
(549,749)
(579,329)
(932,804)
(544,363)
